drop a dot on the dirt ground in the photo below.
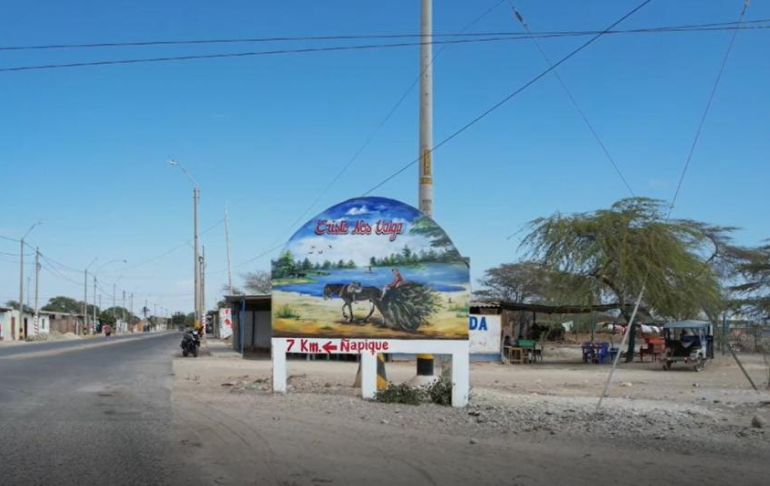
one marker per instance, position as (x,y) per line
(525,425)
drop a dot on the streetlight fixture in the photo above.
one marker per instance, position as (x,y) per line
(196,257)
(21,281)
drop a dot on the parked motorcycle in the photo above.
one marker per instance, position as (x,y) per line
(190,343)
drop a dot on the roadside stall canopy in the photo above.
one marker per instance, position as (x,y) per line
(689,324)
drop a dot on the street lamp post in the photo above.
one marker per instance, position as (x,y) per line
(21,283)
(196,256)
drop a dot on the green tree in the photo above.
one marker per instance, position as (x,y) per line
(750,291)
(633,245)
(178,319)
(530,282)
(14,304)
(63,304)
(106,317)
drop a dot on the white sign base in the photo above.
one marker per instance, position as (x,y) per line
(369,349)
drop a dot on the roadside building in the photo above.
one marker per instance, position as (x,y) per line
(26,327)
(251,322)
(63,322)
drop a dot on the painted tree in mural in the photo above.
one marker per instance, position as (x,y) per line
(408,306)
(439,240)
(633,245)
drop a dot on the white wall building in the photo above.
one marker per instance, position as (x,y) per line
(25,327)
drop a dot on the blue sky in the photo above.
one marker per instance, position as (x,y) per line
(85,149)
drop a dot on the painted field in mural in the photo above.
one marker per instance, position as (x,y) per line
(371,268)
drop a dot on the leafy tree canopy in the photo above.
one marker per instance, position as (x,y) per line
(631,245)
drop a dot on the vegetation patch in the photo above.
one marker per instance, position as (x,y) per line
(287,312)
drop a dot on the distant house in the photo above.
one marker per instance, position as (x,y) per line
(63,322)
(25,327)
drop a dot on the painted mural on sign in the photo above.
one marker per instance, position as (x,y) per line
(371,268)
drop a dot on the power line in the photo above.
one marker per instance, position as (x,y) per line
(279,243)
(192,57)
(510,96)
(474,40)
(572,99)
(383,121)
(351,37)
(173,249)
(707,109)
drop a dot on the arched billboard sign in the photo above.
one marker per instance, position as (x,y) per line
(367,276)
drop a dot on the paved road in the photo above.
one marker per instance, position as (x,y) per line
(24,348)
(96,415)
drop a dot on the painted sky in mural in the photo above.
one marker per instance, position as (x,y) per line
(371,267)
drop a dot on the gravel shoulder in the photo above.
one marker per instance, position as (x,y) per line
(525,425)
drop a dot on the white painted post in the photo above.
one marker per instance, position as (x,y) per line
(368,375)
(460,378)
(279,365)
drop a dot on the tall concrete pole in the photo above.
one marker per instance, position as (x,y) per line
(196,269)
(21,284)
(202,270)
(227,244)
(131,312)
(37,288)
(20,324)
(426,110)
(85,304)
(425,361)
(93,324)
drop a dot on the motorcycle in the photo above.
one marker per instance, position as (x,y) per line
(190,343)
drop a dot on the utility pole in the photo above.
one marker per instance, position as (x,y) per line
(123,310)
(196,202)
(426,110)
(425,182)
(196,255)
(227,244)
(131,310)
(85,302)
(21,294)
(21,285)
(95,320)
(113,301)
(36,318)
(29,294)
(85,299)
(202,270)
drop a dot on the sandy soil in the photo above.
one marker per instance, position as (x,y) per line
(531,424)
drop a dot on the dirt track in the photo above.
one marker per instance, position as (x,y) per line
(526,425)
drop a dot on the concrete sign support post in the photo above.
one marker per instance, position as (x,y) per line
(371,276)
(368,349)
